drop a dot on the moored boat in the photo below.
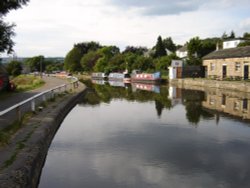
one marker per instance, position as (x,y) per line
(125,77)
(146,77)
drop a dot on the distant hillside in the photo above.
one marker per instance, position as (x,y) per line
(22,59)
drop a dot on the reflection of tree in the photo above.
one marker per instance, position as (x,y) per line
(90,98)
(193,103)
(105,93)
(159,107)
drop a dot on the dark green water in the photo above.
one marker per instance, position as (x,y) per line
(119,137)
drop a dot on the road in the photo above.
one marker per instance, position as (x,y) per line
(14,98)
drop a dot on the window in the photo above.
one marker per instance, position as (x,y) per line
(212,66)
(237,66)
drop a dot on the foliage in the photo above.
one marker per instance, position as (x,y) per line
(246,35)
(169,44)
(36,63)
(14,68)
(106,54)
(198,48)
(135,50)
(164,62)
(89,60)
(246,43)
(27,82)
(160,48)
(72,61)
(53,66)
(7,5)
(6,29)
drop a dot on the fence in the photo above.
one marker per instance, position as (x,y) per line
(16,112)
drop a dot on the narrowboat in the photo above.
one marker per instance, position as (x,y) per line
(4,78)
(125,77)
(99,75)
(138,77)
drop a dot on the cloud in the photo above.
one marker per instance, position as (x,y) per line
(159,7)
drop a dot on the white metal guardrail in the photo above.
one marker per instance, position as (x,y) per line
(41,97)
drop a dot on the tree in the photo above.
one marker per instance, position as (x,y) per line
(159,48)
(6,33)
(89,60)
(106,53)
(72,60)
(169,44)
(232,35)
(14,68)
(6,30)
(246,35)
(36,63)
(246,43)
(7,5)
(74,56)
(135,50)
(162,63)
(193,47)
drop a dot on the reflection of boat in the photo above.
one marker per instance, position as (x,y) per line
(146,87)
(98,81)
(98,75)
(136,76)
(116,83)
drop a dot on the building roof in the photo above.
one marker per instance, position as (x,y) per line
(182,49)
(229,53)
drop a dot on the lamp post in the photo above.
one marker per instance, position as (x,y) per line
(41,74)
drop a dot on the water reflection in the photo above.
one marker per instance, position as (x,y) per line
(209,104)
(121,137)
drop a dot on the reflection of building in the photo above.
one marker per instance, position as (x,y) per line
(229,104)
(175,95)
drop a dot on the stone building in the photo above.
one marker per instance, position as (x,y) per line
(231,64)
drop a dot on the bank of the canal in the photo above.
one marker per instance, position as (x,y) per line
(23,157)
(203,84)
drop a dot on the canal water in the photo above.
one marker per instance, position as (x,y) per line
(143,136)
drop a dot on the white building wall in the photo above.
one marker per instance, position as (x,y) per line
(232,43)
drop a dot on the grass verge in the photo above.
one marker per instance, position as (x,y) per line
(27,82)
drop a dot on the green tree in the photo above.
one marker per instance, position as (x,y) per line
(36,63)
(6,30)
(232,35)
(72,61)
(89,60)
(162,63)
(193,47)
(135,50)
(246,35)
(106,53)
(169,44)
(159,48)
(14,68)
(246,43)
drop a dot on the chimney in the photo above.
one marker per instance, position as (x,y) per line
(217,46)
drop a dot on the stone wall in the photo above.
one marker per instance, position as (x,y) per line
(241,86)
(35,137)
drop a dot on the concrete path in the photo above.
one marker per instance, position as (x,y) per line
(14,98)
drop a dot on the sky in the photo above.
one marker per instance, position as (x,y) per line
(52,27)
